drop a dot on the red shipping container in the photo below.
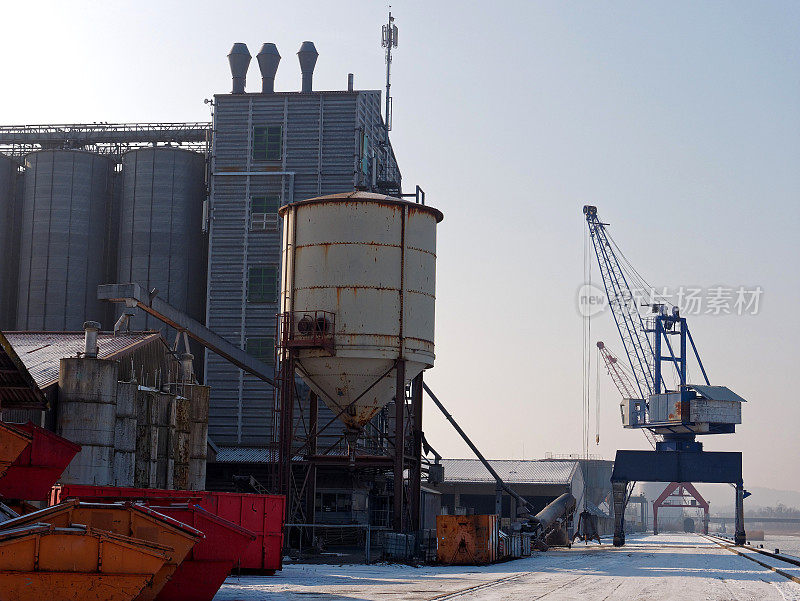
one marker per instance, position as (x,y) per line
(39,466)
(262,514)
(208,564)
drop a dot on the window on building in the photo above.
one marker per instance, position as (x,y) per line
(262,284)
(262,348)
(264,213)
(267,143)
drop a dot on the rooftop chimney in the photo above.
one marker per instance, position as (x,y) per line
(90,329)
(349,82)
(187,367)
(308,58)
(239,60)
(268,59)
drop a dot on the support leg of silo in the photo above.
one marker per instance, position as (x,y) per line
(399,445)
(311,485)
(415,472)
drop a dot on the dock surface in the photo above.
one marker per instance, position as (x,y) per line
(684,567)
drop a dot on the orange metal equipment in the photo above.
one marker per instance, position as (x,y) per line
(12,443)
(467,539)
(126,519)
(75,564)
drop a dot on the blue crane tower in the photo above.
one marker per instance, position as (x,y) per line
(657,341)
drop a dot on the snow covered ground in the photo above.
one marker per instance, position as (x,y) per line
(668,566)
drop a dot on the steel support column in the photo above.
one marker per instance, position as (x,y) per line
(287,401)
(498,500)
(655,519)
(311,486)
(415,471)
(739,536)
(399,446)
(619,489)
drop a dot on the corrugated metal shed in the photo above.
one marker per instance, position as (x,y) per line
(18,390)
(512,471)
(42,351)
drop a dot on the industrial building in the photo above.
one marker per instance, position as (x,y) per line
(163,205)
(191,212)
(136,411)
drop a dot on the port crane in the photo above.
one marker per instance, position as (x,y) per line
(656,339)
(622,380)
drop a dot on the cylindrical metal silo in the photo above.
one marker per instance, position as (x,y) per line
(161,242)
(368,262)
(87,415)
(8,269)
(63,242)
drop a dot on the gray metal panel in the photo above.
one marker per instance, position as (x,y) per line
(161,243)
(63,239)
(717,393)
(8,242)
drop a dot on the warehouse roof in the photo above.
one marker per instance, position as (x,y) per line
(18,390)
(41,351)
(512,471)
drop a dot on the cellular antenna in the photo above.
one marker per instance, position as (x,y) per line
(388,41)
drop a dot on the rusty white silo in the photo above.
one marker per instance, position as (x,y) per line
(365,265)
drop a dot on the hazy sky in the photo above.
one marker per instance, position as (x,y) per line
(679,120)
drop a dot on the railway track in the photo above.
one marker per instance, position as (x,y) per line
(728,545)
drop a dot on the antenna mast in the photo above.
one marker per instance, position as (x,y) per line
(388,41)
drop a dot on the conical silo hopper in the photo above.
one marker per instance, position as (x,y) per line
(358,296)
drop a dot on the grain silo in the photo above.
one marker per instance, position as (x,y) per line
(359,268)
(64,239)
(161,242)
(8,269)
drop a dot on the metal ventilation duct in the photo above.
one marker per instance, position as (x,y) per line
(268,59)
(308,58)
(239,60)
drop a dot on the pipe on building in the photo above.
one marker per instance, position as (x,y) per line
(308,58)
(90,329)
(239,59)
(349,82)
(268,58)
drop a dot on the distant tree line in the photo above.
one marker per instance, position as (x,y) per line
(779,511)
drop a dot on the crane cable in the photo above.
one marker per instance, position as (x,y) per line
(597,400)
(587,337)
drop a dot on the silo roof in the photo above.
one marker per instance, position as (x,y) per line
(362,196)
(511,471)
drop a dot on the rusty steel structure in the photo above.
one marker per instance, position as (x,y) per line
(680,494)
(356,326)
(112,139)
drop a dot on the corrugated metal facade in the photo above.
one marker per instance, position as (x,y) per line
(326,142)
(64,238)
(9,241)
